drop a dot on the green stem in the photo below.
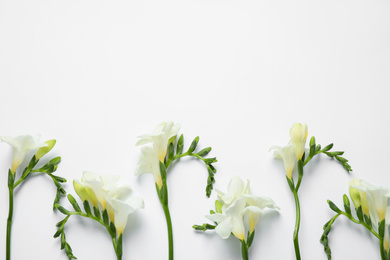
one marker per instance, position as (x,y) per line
(170,234)
(10,213)
(297,222)
(244,250)
(382,250)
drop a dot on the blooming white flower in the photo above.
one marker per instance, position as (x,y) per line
(104,189)
(298,135)
(377,200)
(159,138)
(287,154)
(149,163)
(21,145)
(237,203)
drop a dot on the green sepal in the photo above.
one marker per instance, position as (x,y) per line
(359,213)
(367,220)
(74,203)
(290,184)
(68,251)
(318,148)
(381,228)
(163,172)
(87,208)
(119,250)
(105,217)
(218,206)
(113,229)
(32,163)
(212,211)
(180,145)
(193,145)
(334,207)
(11,179)
(204,151)
(250,238)
(44,150)
(347,204)
(96,212)
(55,160)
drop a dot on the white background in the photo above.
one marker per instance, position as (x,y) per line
(96,74)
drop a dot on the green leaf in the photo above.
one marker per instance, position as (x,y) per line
(204,151)
(334,207)
(180,145)
(194,144)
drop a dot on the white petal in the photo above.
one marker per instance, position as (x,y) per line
(224,228)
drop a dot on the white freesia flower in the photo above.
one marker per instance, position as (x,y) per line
(104,189)
(21,145)
(148,163)
(287,154)
(298,135)
(236,203)
(159,138)
(377,200)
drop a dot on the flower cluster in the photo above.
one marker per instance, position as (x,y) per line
(21,145)
(103,191)
(234,205)
(294,150)
(151,156)
(372,201)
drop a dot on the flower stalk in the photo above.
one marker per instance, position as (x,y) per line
(10,213)
(159,155)
(294,153)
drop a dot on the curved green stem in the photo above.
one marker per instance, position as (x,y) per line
(244,250)
(170,234)
(297,222)
(10,213)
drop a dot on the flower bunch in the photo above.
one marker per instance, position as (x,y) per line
(110,204)
(371,210)
(233,208)
(294,154)
(21,145)
(158,152)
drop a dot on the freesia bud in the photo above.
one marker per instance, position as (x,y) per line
(44,150)
(298,135)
